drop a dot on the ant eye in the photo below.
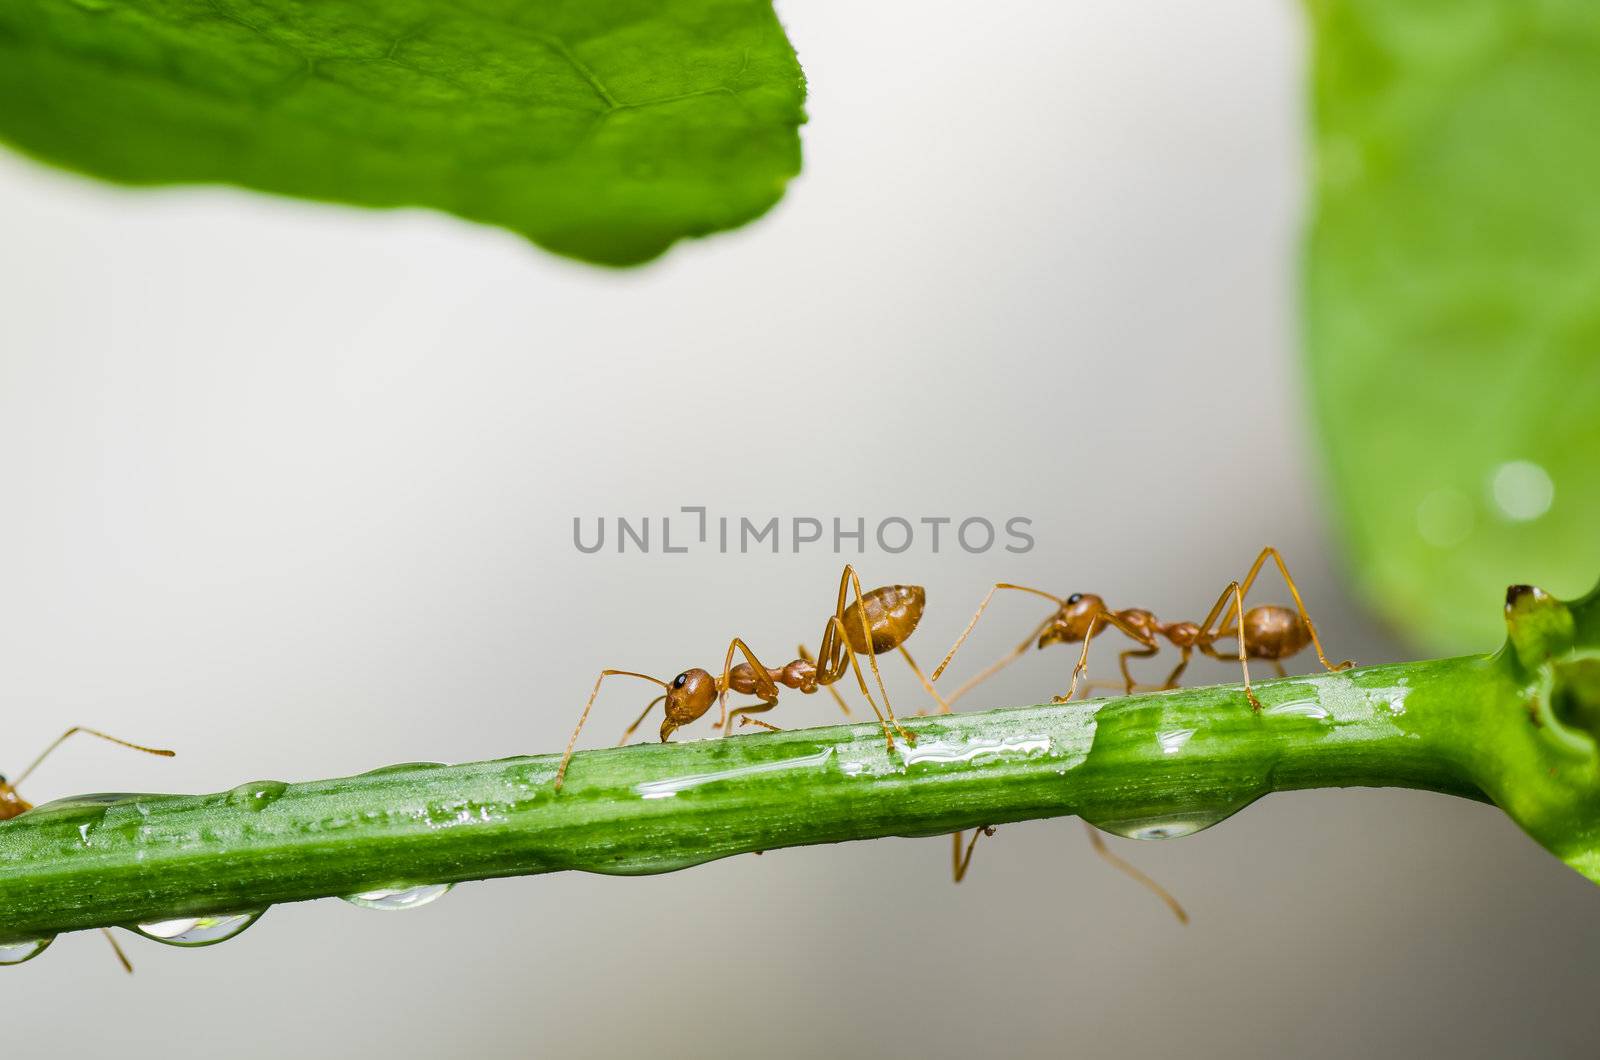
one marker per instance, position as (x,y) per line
(680,680)
(1075,598)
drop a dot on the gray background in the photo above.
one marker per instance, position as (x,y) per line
(290,488)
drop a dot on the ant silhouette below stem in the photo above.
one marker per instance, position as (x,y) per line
(14,805)
(962,861)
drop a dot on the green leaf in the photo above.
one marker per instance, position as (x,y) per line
(1453,299)
(601,129)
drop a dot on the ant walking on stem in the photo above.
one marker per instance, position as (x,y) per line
(14,805)
(872,624)
(1267,632)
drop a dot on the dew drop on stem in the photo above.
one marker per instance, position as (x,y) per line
(398,897)
(197,930)
(17,952)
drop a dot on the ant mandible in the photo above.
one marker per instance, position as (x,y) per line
(14,805)
(872,624)
(1266,632)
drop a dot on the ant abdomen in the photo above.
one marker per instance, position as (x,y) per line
(1273,632)
(892,614)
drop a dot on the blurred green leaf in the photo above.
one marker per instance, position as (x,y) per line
(1453,299)
(604,130)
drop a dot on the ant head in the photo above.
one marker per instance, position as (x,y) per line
(1071,624)
(689,695)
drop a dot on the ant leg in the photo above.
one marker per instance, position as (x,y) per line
(1205,636)
(1206,640)
(1134,873)
(639,720)
(1000,664)
(566,757)
(866,636)
(1134,653)
(127,965)
(836,648)
(1278,666)
(1082,666)
(1113,619)
(848,658)
(944,705)
(59,740)
(959,863)
(937,670)
(760,708)
(806,656)
(764,724)
(832,649)
(1299,604)
(1177,671)
(764,686)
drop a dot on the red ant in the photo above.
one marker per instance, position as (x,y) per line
(1265,632)
(874,623)
(14,805)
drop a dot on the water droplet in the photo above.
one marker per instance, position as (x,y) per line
(198,930)
(1522,490)
(1300,708)
(258,794)
(99,798)
(1445,518)
(1172,742)
(1175,826)
(972,749)
(17,952)
(399,897)
(669,788)
(401,767)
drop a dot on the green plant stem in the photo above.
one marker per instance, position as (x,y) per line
(1517,728)
(1168,762)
